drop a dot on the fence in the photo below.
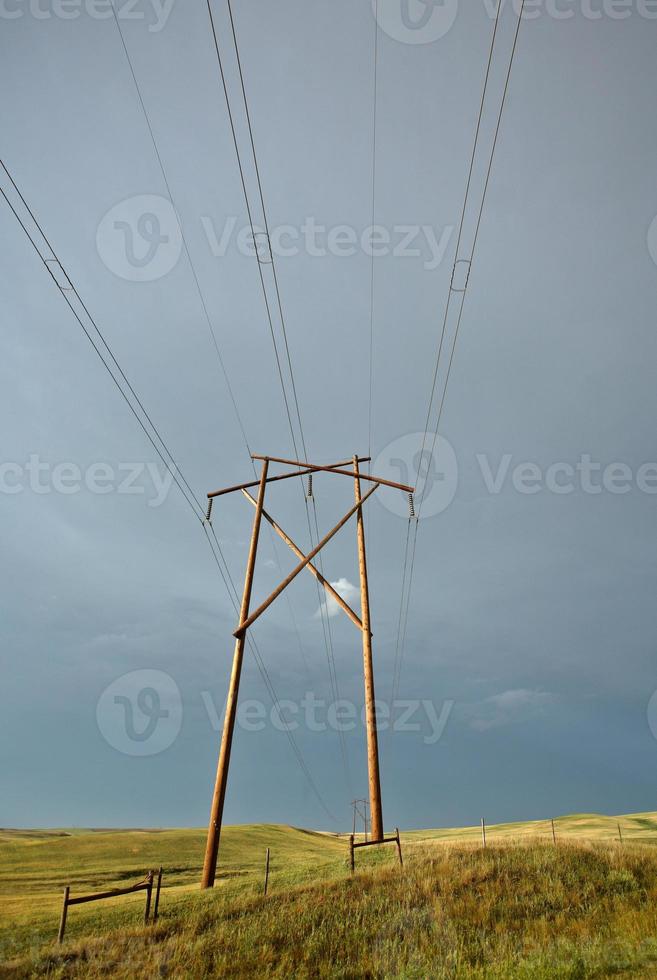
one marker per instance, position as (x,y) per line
(145,885)
(373,843)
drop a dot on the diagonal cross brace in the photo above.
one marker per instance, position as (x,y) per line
(311,568)
(299,568)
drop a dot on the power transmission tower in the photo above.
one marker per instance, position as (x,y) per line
(247,619)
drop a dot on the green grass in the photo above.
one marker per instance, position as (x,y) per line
(635,827)
(36,865)
(521,908)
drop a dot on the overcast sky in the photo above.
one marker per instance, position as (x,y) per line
(530,654)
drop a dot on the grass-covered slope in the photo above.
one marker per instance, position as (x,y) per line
(637,827)
(526,911)
(36,865)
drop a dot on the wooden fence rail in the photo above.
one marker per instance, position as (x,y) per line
(373,843)
(146,885)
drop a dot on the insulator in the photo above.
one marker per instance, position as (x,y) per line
(209,511)
(264,255)
(462,288)
(57,271)
(310,487)
(411,506)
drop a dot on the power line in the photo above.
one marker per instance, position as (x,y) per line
(323,606)
(402,647)
(375,63)
(325,625)
(202,299)
(333,674)
(403,611)
(182,234)
(264,215)
(245,100)
(374,122)
(117,374)
(172,466)
(462,293)
(477,228)
(395,682)
(264,673)
(462,221)
(251,222)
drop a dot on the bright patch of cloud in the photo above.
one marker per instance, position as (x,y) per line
(343,587)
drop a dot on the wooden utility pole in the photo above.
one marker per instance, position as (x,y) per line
(216,813)
(376,813)
(247,618)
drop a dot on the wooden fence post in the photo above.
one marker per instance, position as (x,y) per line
(62,921)
(266,870)
(146,884)
(483,832)
(554,836)
(620,835)
(351,852)
(399,850)
(149,892)
(156,908)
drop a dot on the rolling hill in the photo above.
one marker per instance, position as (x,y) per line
(535,882)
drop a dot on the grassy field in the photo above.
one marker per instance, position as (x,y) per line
(36,865)
(521,908)
(636,827)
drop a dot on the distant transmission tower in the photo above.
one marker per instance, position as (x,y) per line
(357,804)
